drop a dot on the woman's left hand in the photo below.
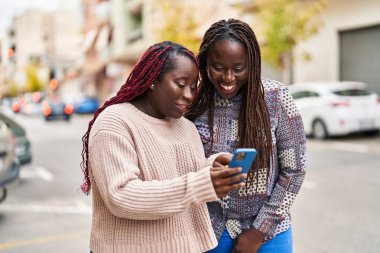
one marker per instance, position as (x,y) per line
(249,241)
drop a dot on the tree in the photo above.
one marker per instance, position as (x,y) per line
(283,25)
(33,82)
(179,24)
(13,90)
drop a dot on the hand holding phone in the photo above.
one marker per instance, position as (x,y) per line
(243,157)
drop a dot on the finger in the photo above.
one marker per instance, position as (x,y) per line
(216,171)
(236,181)
(225,189)
(224,159)
(227,172)
(217,164)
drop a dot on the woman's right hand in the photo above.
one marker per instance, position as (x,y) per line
(225,179)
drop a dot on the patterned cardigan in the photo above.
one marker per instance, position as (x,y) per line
(267,207)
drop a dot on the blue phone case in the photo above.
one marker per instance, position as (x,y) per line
(243,157)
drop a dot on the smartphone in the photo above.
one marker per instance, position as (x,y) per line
(243,157)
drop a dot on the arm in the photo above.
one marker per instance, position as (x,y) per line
(114,167)
(291,150)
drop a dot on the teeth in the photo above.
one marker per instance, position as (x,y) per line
(230,87)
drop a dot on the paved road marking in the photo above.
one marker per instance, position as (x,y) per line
(43,240)
(38,172)
(80,209)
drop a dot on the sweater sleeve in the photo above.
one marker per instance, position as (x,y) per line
(291,149)
(114,167)
(209,161)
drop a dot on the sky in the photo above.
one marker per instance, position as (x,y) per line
(11,8)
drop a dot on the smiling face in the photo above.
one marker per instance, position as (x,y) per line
(227,67)
(174,91)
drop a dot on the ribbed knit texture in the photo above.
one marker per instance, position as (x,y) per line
(150,182)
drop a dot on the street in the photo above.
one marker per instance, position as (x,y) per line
(336,211)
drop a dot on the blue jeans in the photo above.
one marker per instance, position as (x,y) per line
(282,243)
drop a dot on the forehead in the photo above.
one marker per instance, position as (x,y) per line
(183,65)
(227,50)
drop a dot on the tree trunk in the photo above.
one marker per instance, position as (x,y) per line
(287,68)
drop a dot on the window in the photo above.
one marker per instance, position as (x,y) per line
(353,92)
(304,94)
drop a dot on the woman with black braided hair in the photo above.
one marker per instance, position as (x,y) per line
(236,108)
(145,166)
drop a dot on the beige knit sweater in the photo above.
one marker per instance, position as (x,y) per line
(150,182)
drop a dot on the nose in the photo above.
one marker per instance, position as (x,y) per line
(228,76)
(188,93)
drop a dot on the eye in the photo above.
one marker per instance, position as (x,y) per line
(193,87)
(239,69)
(180,85)
(218,68)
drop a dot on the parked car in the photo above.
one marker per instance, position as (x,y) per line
(86,105)
(55,108)
(29,103)
(23,146)
(337,108)
(9,167)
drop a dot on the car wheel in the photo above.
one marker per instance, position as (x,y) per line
(320,130)
(371,132)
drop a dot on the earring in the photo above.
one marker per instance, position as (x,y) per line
(152,86)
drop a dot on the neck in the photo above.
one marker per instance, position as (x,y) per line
(143,105)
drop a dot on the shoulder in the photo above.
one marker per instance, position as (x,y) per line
(114,118)
(186,124)
(275,89)
(272,85)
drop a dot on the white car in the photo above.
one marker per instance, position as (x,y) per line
(337,108)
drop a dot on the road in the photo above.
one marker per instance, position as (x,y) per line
(336,211)
(45,210)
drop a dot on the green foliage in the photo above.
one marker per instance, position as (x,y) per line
(285,23)
(178,24)
(33,82)
(13,90)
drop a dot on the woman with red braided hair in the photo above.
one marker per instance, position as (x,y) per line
(236,107)
(145,166)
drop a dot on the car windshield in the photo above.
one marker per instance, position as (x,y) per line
(353,92)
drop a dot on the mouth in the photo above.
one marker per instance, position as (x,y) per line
(182,107)
(228,89)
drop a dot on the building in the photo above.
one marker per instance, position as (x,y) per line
(50,38)
(117,32)
(347,46)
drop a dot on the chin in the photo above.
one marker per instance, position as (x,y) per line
(227,96)
(175,115)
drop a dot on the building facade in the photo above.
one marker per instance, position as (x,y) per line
(347,46)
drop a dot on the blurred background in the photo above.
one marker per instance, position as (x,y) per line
(61,59)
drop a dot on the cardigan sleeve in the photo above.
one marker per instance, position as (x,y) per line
(115,171)
(291,150)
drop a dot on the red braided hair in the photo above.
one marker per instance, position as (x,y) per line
(152,65)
